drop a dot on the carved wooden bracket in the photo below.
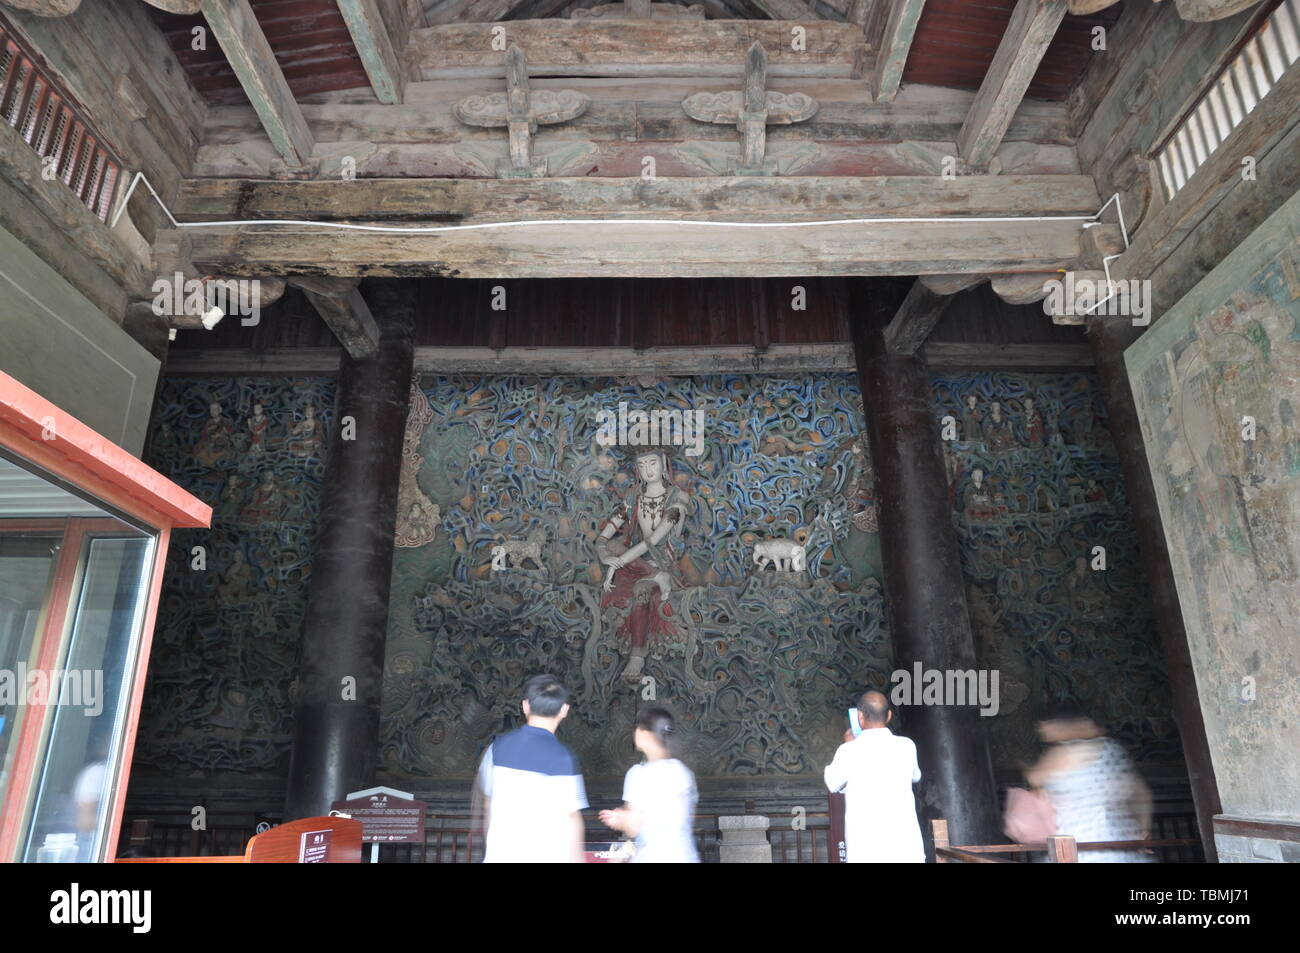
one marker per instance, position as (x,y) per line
(638,10)
(752,110)
(46,8)
(521,111)
(1198,11)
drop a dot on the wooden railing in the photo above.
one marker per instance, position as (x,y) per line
(1060,848)
(283,844)
(454,837)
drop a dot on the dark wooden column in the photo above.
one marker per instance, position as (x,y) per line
(336,737)
(926,594)
(1109,337)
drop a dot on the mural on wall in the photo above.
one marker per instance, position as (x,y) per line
(1036,486)
(1217,384)
(635,570)
(226,641)
(734,579)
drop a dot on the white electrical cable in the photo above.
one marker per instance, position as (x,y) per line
(432,229)
(1105,262)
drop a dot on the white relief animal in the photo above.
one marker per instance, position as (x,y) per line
(785,554)
(516,551)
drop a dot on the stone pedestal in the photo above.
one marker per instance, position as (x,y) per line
(744,840)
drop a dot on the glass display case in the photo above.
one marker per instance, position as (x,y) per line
(84,528)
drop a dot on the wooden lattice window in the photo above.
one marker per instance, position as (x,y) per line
(34,103)
(1269,52)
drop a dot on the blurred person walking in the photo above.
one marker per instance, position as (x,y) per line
(1095,792)
(659,795)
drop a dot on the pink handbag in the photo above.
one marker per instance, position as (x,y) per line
(1029,817)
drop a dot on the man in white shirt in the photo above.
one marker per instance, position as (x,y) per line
(532,786)
(876,771)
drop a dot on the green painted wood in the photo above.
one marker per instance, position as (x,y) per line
(1032,27)
(895,43)
(375,47)
(235,26)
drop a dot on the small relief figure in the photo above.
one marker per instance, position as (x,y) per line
(998,435)
(232,500)
(1035,431)
(952,465)
(238,579)
(267,503)
(1095,493)
(637,545)
(1085,594)
(972,420)
(417,524)
(307,437)
(216,438)
(258,425)
(979,501)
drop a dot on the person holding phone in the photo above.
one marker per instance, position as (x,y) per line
(876,769)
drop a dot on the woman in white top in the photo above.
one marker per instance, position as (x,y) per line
(659,796)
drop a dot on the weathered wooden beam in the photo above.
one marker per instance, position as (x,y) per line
(480,11)
(344,310)
(270,362)
(1201,11)
(249,54)
(916,317)
(22,168)
(617,249)
(951,284)
(1023,288)
(1270,135)
(46,8)
(893,45)
(638,10)
(620,361)
(994,354)
(375,47)
(629,112)
(468,201)
(1032,27)
(793,10)
(641,48)
(183,7)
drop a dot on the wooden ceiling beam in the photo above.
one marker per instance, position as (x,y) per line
(728,198)
(916,317)
(236,28)
(891,27)
(46,8)
(341,306)
(794,10)
(628,48)
(615,249)
(472,11)
(374,45)
(1032,27)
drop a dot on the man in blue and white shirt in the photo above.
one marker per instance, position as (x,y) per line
(532,787)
